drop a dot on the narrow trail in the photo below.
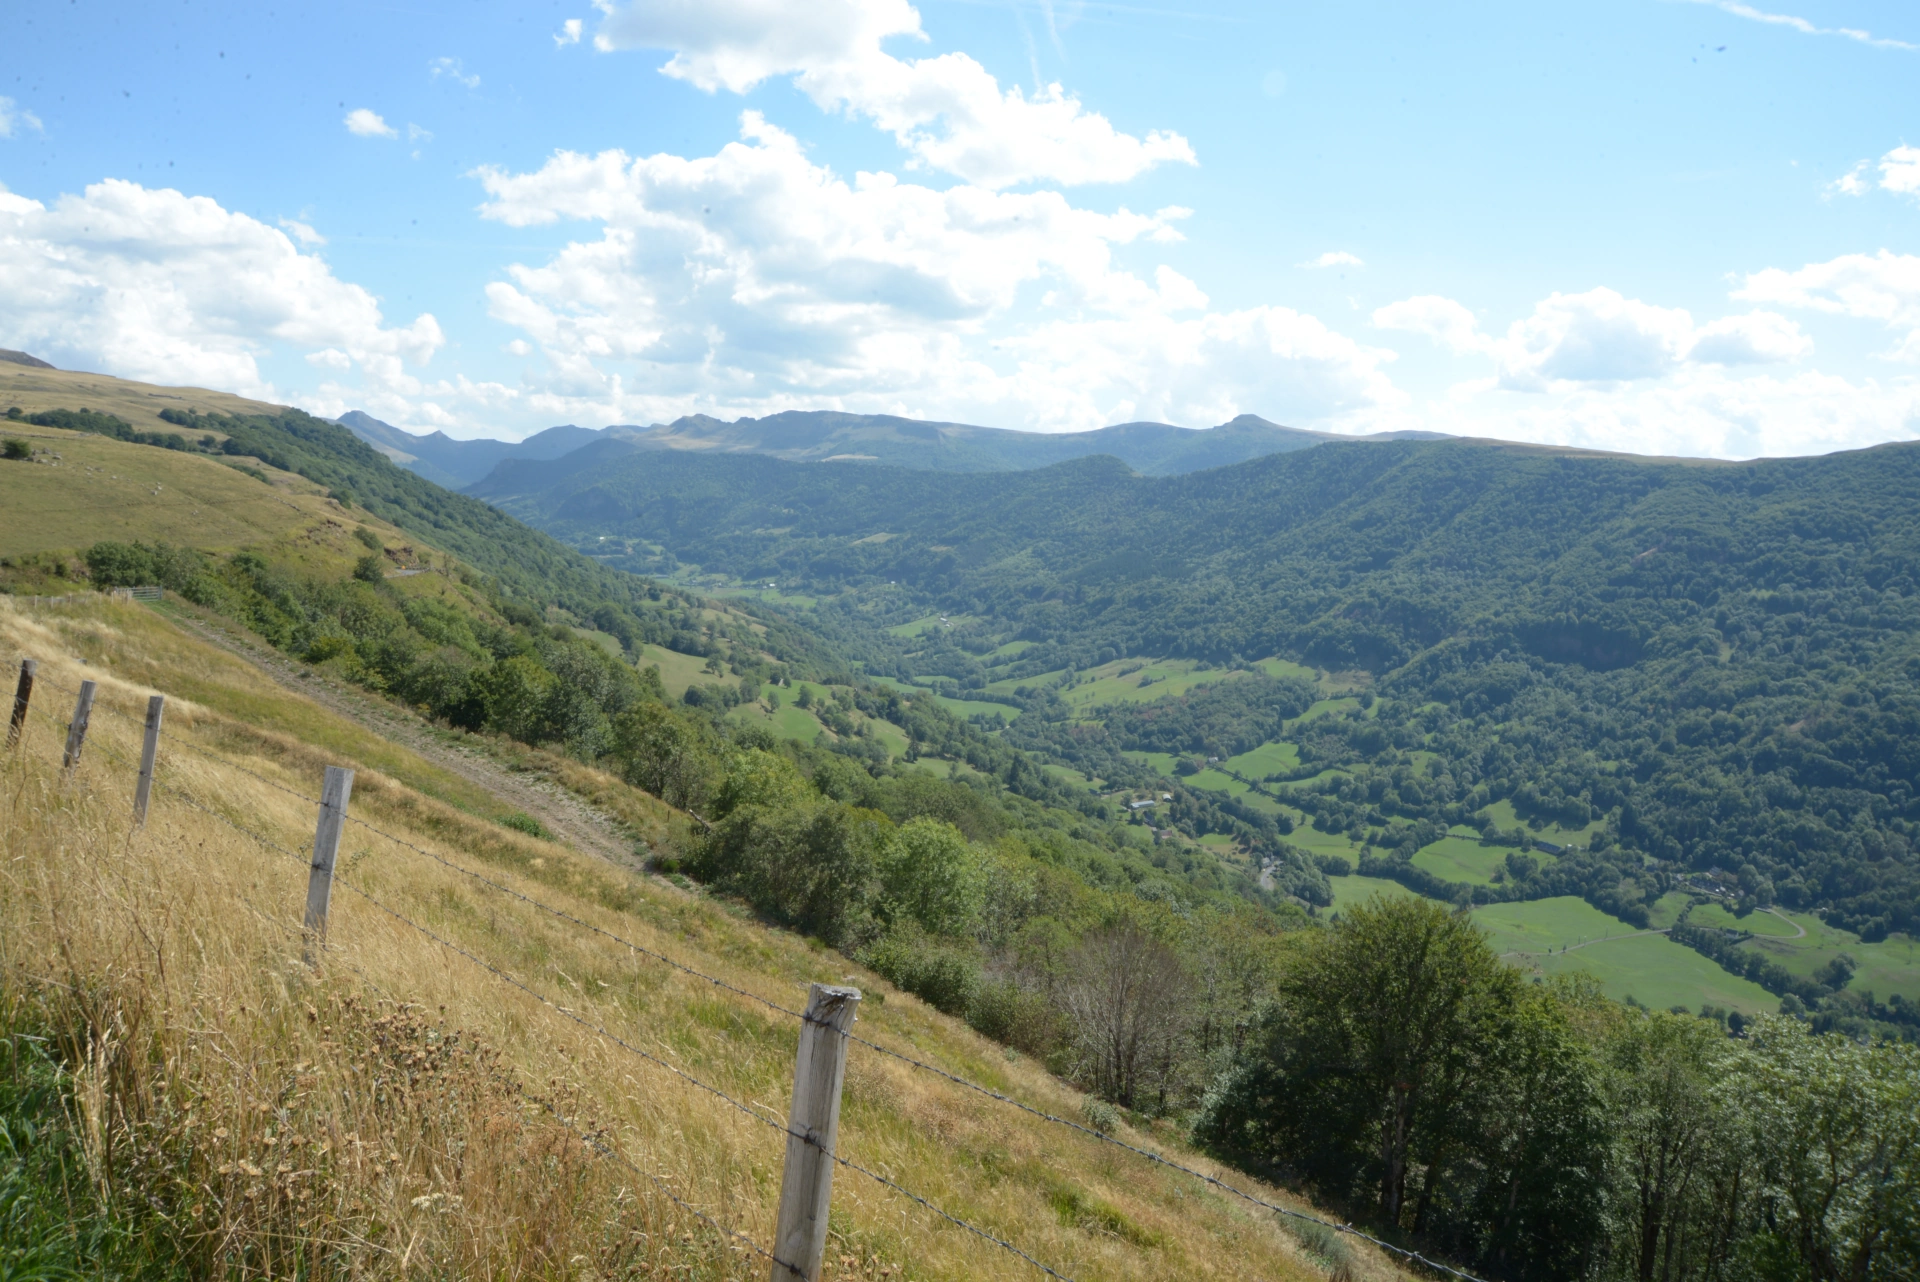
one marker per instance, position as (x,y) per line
(1800,932)
(571,820)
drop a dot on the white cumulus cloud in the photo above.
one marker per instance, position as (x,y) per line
(569,33)
(152,284)
(947,111)
(1598,337)
(15,119)
(1883,287)
(1445,321)
(757,280)
(363,122)
(1899,173)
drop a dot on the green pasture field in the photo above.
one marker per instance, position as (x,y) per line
(1546,925)
(1650,968)
(788,723)
(1664,911)
(1757,922)
(1214,781)
(605,640)
(1160,761)
(1461,859)
(1883,969)
(1011,684)
(1168,677)
(1288,668)
(1325,707)
(1267,759)
(888,735)
(1350,892)
(1068,775)
(1503,815)
(1656,972)
(1011,650)
(1315,842)
(961,708)
(677,671)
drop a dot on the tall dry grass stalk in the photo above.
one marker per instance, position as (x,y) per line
(399,1111)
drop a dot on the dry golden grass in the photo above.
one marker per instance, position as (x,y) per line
(139,403)
(400,1111)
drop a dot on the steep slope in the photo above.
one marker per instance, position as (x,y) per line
(421,1098)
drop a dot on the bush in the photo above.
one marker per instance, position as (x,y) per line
(371,568)
(15,448)
(368,537)
(943,974)
(522,822)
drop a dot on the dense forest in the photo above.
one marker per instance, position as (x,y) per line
(1720,660)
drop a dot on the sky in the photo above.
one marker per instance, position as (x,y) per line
(1679,227)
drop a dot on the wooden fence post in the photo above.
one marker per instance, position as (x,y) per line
(326,844)
(813,1127)
(77,728)
(156,708)
(22,695)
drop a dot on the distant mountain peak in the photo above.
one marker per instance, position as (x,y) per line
(12,357)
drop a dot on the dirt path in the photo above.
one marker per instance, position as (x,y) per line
(565,815)
(1801,930)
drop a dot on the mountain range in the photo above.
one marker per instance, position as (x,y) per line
(824,436)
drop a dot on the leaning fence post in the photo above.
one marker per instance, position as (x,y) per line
(813,1126)
(156,708)
(326,844)
(77,728)
(22,695)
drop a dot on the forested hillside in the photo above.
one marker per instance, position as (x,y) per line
(1718,660)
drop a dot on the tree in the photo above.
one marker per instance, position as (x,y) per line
(1837,1125)
(1675,1133)
(930,875)
(671,755)
(1124,991)
(1397,1001)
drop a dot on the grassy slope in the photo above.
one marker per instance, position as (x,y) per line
(100,488)
(139,403)
(213,917)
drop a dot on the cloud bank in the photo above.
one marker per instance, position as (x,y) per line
(155,285)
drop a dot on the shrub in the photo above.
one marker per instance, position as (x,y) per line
(15,448)
(519,821)
(944,975)
(370,568)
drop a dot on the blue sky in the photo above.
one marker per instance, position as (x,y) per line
(1667,227)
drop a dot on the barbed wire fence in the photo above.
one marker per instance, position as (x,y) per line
(1406,1254)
